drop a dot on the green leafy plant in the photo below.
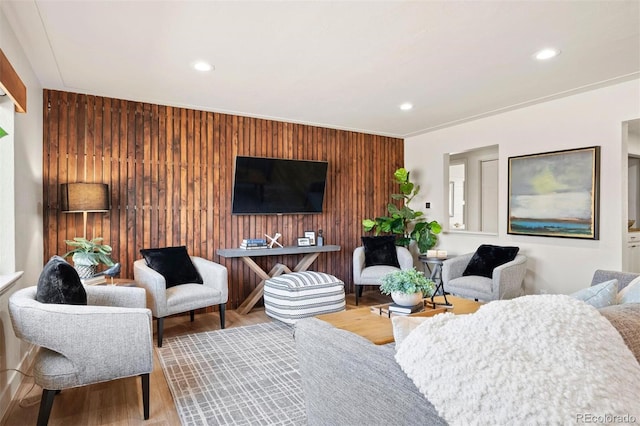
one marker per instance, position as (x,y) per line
(405,222)
(407,281)
(89,252)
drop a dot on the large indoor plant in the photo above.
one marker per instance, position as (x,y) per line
(88,254)
(407,287)
(408,224)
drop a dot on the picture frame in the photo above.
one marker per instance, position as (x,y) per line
(303,242)
(555,194)
(311,235)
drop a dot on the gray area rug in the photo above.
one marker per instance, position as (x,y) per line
(237,376)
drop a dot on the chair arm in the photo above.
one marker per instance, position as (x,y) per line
(405,258)
(454,267)
(124,297)
(507,278)
(358,264)
(155,286)
(213,275)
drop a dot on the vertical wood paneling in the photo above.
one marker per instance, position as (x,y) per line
(170,174)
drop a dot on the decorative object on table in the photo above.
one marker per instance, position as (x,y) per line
(111,272)
(303,242)
(274,240)
(88,254)
(408,224)
(407,287)
(555,194)
(320,241)
(436,254)
(311,235)
(254,243)
(84,198)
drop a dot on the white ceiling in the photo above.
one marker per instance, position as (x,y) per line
(345,64)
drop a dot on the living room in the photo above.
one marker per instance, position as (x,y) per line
(593,113)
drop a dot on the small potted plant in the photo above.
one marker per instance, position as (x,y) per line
(88,254)
(407,287)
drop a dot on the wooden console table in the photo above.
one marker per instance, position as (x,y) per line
(310,254)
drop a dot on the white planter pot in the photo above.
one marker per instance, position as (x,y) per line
(404,299)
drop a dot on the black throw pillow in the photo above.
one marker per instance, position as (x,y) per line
(488,257)
(174,264)
(60,283)
(380,251)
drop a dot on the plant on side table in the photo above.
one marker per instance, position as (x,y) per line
(88,254)
(399,221)
(407,287)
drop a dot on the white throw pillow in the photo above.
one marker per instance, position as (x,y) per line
(402,326)
(631,293)
(599,295)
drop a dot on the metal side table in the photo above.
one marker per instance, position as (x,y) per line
(433,265)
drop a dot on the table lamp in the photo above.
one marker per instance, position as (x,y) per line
(84,198)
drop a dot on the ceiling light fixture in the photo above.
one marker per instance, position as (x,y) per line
(406,106)
(202,66)
(547,53)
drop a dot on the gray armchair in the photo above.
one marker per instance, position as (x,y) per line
(165,301)
(506,282)
(373,274)
(107,339)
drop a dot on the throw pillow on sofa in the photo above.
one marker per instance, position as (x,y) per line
(60,283)
(487,258)
(380,251)
(174,264)
(599,295)
(631,293)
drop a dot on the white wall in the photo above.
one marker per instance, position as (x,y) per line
(555,265)
(26,198)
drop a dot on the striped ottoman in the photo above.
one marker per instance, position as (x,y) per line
(298,295)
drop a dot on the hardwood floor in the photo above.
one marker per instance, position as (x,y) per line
(119,402)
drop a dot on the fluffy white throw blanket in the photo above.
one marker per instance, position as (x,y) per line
(545,360)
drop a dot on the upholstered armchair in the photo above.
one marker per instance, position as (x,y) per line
(506,280)
(107,339)
(166,300)
(372,275)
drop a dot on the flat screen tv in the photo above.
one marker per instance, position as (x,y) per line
(278,186)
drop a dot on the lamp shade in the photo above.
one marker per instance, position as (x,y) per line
(84,197)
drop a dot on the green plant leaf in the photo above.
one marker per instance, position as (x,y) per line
(435,227)
(401,175)
(406,187)
(368,224)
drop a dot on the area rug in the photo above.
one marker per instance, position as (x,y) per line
(237,376)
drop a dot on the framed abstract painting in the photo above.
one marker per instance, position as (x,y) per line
(555,194)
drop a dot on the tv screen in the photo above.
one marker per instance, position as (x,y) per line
(277,186)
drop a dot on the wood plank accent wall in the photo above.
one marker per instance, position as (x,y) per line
(170,175)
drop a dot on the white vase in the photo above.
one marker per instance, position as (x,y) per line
(404,299)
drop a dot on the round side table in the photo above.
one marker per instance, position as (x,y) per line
(434,266)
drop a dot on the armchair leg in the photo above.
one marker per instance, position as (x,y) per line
(192,314)
(145,394)
(46,402)
(222,307)
(359,289)
(160,327)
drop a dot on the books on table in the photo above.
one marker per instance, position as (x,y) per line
(253,243)
(399,309)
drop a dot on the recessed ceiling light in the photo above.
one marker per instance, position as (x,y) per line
(406,106)
(548,53)
(202,66)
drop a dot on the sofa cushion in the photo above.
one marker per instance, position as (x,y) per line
(487,258)
(599,295)
(174,264)
(59,283)
(380,251)
(626,319)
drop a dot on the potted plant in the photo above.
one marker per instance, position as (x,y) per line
(400,221)
(88,254)
(407,287)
